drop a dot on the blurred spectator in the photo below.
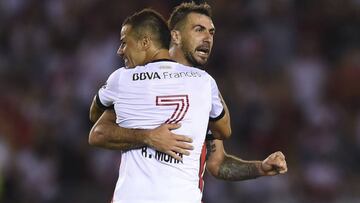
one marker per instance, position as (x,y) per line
(289,70)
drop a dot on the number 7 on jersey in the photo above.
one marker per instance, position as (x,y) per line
(180,102)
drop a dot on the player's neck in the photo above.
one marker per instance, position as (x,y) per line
(177,55)
(159,54)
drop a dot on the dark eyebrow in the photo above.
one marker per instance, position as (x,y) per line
(203,27)
(199,26)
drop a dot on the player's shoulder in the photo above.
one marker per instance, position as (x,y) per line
(125,69)
(117,72)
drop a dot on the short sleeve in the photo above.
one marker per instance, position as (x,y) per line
(217,109)
(107,94)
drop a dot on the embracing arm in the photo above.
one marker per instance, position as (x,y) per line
(95,111)
(107,134)
(228,167)
(105,130)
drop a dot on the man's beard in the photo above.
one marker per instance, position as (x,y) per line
(190,58)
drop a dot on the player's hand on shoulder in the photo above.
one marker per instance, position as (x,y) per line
(274,164)
(162,139)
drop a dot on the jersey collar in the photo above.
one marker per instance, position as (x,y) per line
(159,60)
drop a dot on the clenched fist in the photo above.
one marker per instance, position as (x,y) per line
(274,164)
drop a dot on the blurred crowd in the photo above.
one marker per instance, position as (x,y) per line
(289,71)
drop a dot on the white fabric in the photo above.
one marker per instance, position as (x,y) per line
(146,175)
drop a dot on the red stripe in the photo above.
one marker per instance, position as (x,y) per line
(202,167)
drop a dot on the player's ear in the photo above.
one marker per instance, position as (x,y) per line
(175,37)
(145,42)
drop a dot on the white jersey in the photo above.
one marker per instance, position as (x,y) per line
(144,98)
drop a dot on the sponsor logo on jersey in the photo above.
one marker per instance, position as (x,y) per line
(164,75)
(146,76)
(170,75)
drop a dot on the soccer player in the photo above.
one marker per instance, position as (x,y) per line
(149,91)
(192,33)
(192,39)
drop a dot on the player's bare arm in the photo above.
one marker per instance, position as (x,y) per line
(107,134)
(228,167)
(105,130)
(221,128)
(95,111)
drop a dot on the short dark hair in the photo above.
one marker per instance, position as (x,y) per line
(151,21)
(181,11)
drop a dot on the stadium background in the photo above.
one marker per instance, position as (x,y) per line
(288,69)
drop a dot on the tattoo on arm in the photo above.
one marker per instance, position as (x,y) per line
(235,169)
(210,148)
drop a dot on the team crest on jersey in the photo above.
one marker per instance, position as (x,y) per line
(146,76)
